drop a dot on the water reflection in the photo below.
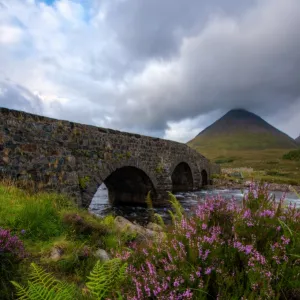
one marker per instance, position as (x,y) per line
(100,205)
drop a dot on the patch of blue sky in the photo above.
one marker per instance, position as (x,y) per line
(86,4)
(48,2)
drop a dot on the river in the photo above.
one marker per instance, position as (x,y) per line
(101,206)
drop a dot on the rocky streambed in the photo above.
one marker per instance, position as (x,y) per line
(189,201)
(237,185)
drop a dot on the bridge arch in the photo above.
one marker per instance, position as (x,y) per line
(182,177)
(127,182)
(204,178)
(129,185)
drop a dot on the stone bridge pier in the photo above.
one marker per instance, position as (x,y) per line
(76,159)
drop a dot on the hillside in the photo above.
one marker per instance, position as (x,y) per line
(243,139)
(241,130)
(298,140)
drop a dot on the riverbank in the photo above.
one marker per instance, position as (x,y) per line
(238,184)
(194,257)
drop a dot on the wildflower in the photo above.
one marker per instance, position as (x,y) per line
(208,270)
(285,240)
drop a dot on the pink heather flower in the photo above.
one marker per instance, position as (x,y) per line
(285,240)
(176,283)
(250,224)
(248,249)
(208,270)
(204,226)
(278,228)
(268,274)
(187,294)
(247,214)
(267,213)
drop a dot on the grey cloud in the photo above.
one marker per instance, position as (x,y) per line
(247,62)
(154,28)
(17,97)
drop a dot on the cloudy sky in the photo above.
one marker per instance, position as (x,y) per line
(166,68)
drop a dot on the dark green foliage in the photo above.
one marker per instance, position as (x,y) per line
(84,181)
(292,155)
(224,161)
(83,226)
(43,285)
(275,173)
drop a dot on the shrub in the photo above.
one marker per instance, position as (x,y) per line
(11,253)
(222,251)
(292,155)
(83,226)
(224,161)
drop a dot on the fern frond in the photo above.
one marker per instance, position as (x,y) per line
(22,292)
(39,292)
(39,276)
(178,210)
(65,291)
(149,200)
(172,216)
(105,277)
(43,286)
(159,220)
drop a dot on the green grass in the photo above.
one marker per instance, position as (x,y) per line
(37,214)
(239,141)
(292,155)
(269,161)
(45,221)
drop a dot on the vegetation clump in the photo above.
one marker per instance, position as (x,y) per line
(292,155)
(223,251)
(84,181)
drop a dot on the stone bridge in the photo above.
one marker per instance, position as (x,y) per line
(75,159)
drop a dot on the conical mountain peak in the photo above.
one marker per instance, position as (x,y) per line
(241,129)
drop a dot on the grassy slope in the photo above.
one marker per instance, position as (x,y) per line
(242,139)
(49,220)
(263,161)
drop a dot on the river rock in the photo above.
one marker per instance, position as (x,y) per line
(102,255)
(154,227)
(56,253)
(124,225)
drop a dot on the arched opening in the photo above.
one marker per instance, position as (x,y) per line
(129,185)
(204,178)
(182,178)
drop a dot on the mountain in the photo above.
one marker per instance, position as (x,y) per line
(240,130)
(298,140)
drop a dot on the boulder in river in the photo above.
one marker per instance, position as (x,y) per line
(154,227)
(124,225)
(102,255)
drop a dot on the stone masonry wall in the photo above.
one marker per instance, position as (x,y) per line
(75,159)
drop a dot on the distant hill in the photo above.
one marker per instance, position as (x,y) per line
(241,130)
(298,140)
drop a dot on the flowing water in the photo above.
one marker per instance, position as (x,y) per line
(101,206)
